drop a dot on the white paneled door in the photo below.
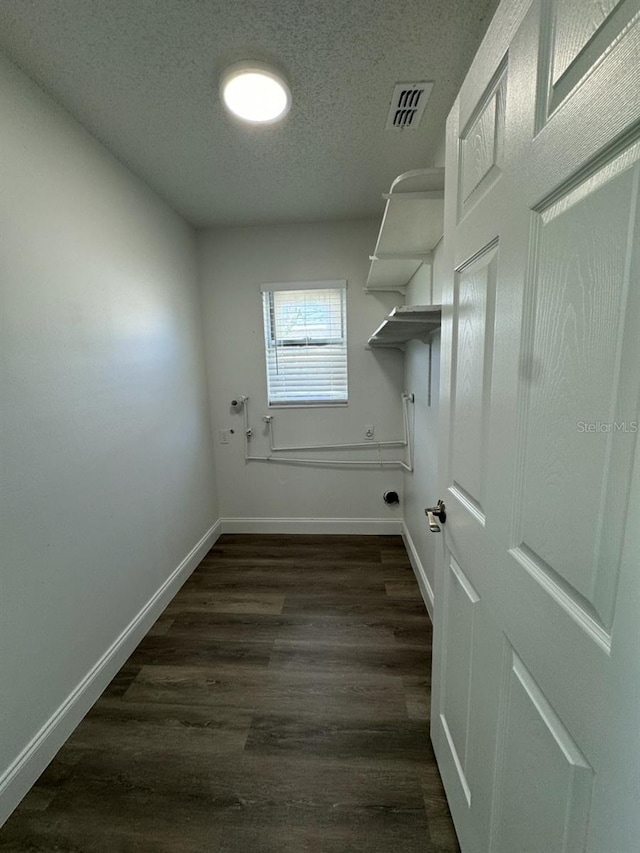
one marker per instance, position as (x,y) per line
(536,699)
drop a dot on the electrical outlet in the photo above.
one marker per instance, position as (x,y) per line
(225,435)
(369,432)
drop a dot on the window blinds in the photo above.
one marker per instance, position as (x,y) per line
(305,335)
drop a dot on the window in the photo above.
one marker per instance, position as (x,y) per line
(305,333)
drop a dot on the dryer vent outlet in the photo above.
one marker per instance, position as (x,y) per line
(391,498)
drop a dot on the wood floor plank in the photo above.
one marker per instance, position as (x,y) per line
(142,820)
(224,601)
(131,728)
(264,583)
(359,631)
(122,681)
(409,836)
(311,694)
(397,558)
(262,781)
(167,650)
(399,743)
(280,704)
(160,626)
(403,589)
(352,659)
(300,567)
(417,691)
(332,604)
(335,551)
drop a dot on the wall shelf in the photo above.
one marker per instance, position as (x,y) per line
(411,323)
(411,226)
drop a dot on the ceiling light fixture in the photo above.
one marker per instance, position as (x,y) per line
(255,92)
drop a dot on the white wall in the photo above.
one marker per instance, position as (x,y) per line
(422,361)
(423,379)
(107,474)
(235,261)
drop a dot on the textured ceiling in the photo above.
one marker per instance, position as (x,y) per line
(142,76)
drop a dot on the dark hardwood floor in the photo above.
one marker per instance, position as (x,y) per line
(279,705)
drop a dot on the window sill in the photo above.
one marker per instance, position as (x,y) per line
(321,405)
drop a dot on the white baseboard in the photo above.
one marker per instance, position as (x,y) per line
(356,526)
(23,772)
(418,569)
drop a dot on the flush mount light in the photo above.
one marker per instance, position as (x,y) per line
(255,92)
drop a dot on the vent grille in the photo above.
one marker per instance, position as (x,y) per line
(407,105)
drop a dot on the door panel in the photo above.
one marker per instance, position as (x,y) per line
(578,380)
(456,706)
(474,300)
(535,747)
(482,141)
(583,30)
(478,152)
(475,661)
(576,22)
(536,683)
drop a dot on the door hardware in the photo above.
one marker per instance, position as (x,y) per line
(433,512)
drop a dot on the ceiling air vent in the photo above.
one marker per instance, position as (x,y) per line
(407,105)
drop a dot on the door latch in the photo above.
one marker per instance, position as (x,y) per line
(433,512)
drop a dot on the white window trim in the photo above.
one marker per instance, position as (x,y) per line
(340,284)
(329,284)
